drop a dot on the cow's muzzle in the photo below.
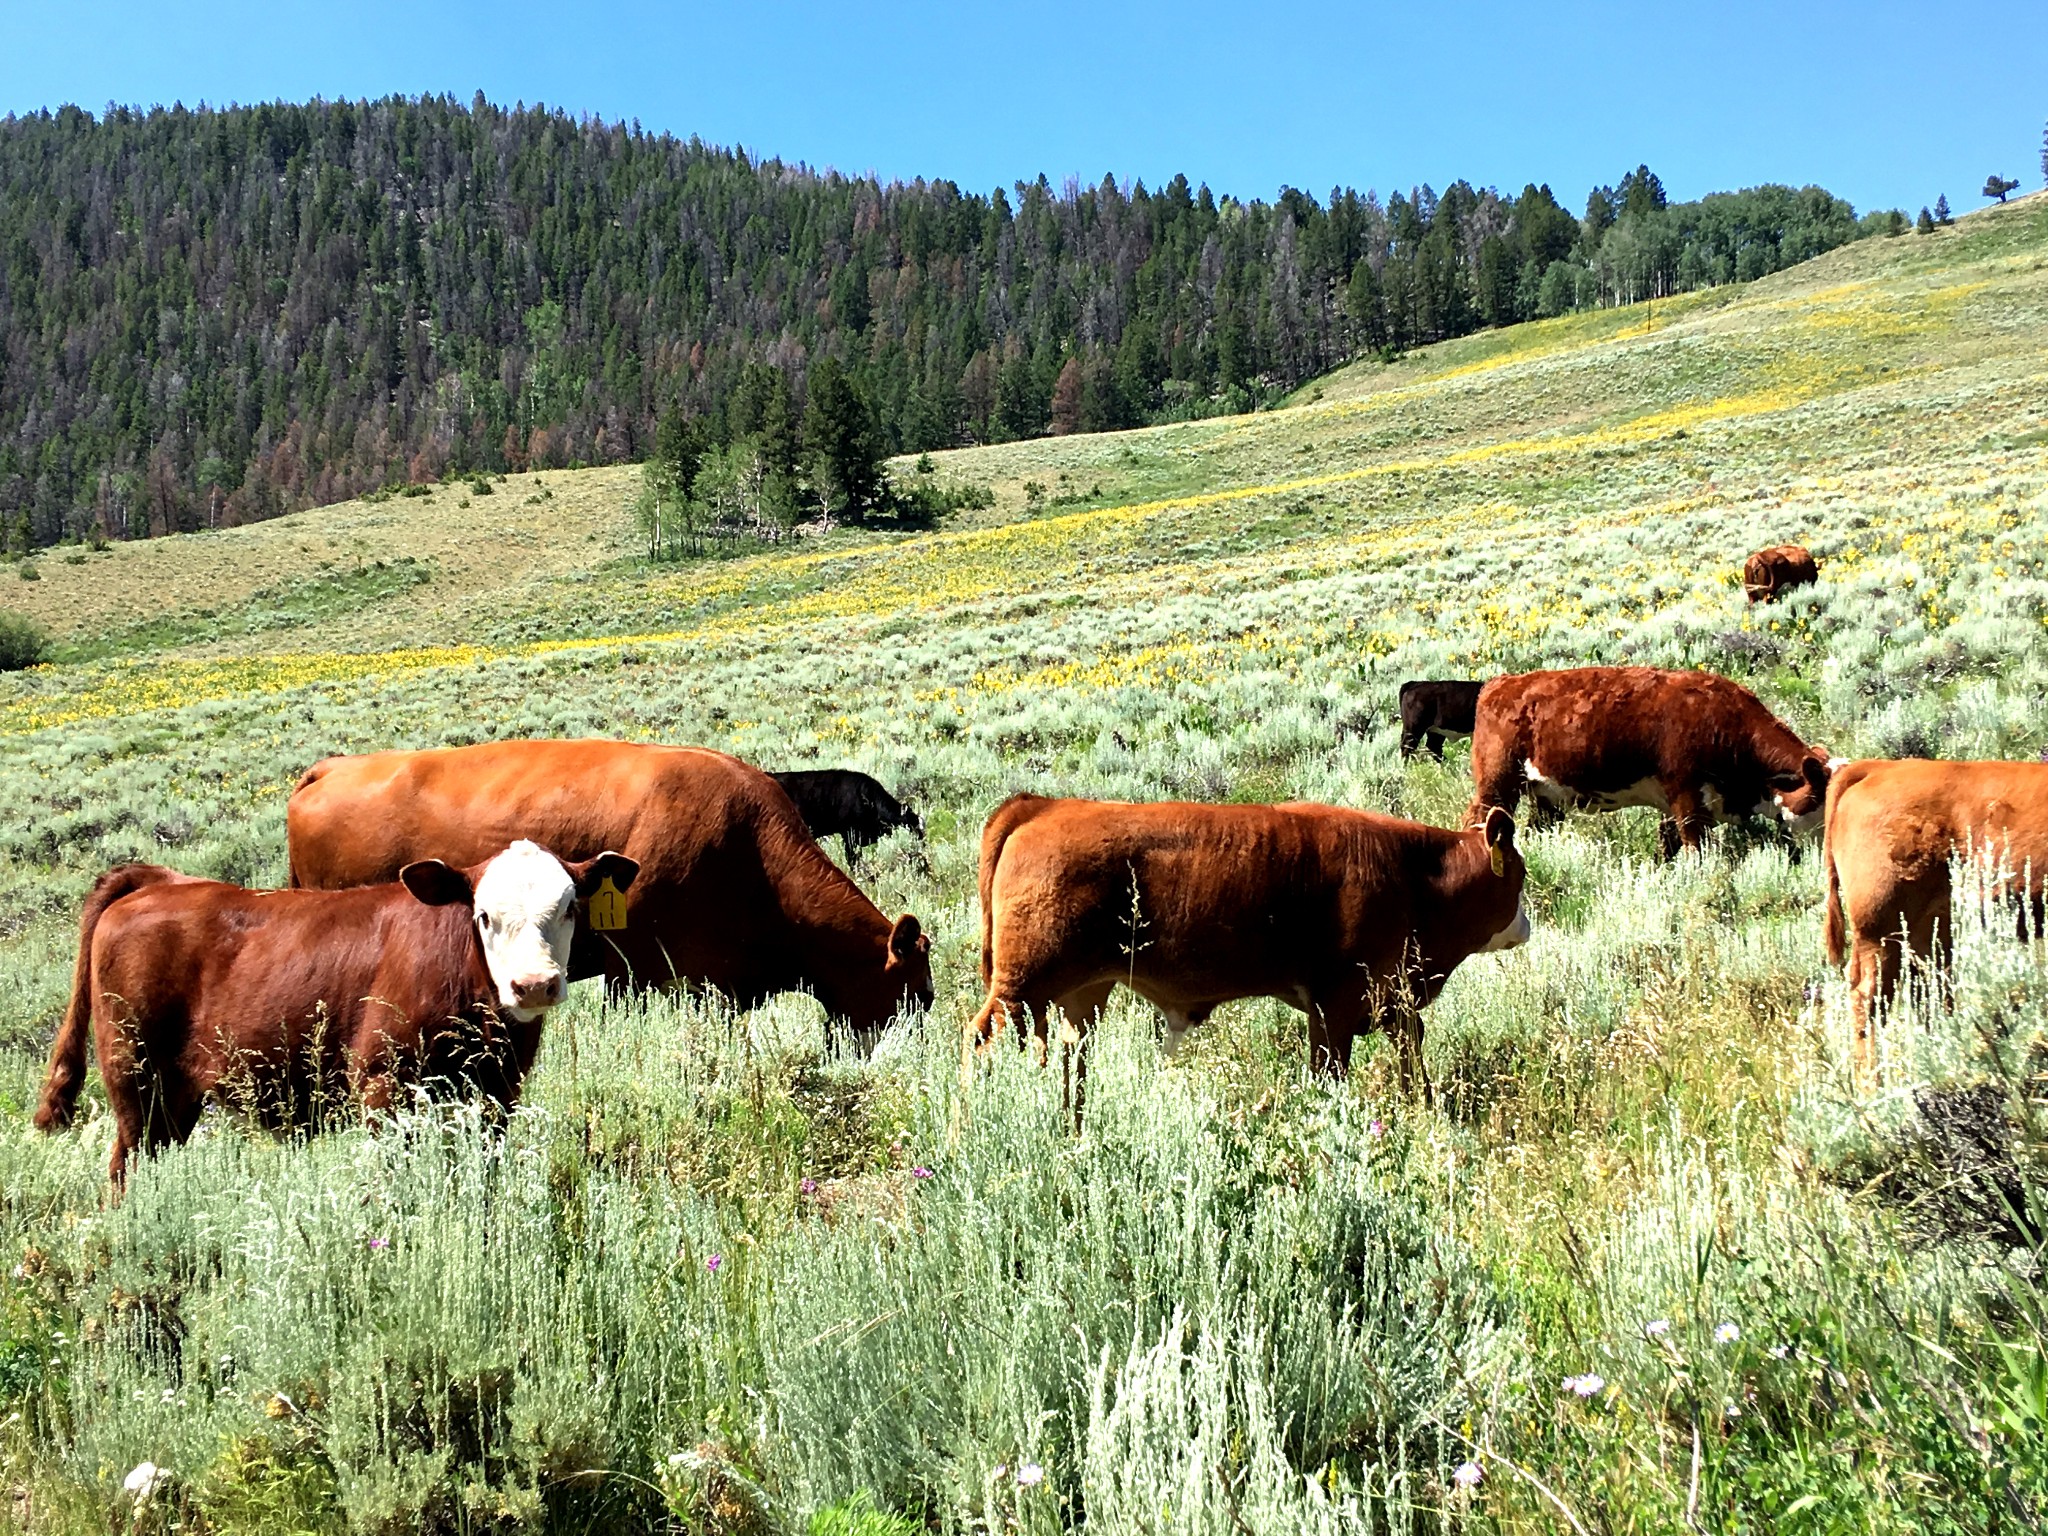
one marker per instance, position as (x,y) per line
(1513,936)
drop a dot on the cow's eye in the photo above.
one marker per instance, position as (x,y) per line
(483,919)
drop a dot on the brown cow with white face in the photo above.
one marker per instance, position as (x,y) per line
(1893,829)
(733,893)
(188,987)
(1695,746)
(1769,573)
(1354,918)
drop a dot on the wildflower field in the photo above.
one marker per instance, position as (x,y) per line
(1653,1262)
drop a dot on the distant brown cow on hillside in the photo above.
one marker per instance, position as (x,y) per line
(1769,573)
(1693,745)
(1354,918)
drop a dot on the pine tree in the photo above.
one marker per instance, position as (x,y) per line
(1925,225)
(1066,399)
(1997,186)
(840,443)
(1941,213)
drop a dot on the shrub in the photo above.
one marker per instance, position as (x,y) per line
(28,572)
(23,642)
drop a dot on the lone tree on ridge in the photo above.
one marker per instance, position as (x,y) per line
(1997,186)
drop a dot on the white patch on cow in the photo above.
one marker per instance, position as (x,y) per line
(1645,792)
(1513,936)
(1805,823)
(526,914)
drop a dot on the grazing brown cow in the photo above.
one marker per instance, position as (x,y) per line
(733,891)
(1770,572)
(1354,918)
(292,997)
(1892,830)
(1697,747)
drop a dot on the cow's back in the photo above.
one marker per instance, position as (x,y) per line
(1911,816)
(359,820)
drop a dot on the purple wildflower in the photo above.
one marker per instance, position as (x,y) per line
(1030,1475)
(1469,1474)
(379,1242)
(920,1172)
(809,1186)
(714,1261)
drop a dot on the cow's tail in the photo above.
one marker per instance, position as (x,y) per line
(995,832)
(66,1075)
(310,777)
(1835,927)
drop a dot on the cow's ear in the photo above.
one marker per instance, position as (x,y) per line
(1816,770)
(437,884)
(591,873)
(1500,837)
(907,938)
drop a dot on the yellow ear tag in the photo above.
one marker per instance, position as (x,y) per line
(1500,860)
(607,907)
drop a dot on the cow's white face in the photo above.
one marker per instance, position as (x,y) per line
(1513,936)
(525,908)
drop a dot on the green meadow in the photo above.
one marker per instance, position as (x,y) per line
(1653,1261)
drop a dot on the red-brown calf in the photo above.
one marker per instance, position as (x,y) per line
(293,998)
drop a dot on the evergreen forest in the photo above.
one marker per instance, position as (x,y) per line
(209,317)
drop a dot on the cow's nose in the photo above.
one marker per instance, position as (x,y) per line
(537,992)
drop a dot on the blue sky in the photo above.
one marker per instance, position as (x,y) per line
(1885,103)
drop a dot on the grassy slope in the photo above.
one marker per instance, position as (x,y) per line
(1218,609)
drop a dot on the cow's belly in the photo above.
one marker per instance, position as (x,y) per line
(1644,792)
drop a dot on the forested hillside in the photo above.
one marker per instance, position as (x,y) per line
(210,317)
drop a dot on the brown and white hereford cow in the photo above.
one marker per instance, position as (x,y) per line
(295,998)
(1769,573)
(733,892)
(1354,918)
(1893,829)
(1693,745)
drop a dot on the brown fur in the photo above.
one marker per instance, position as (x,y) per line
(1599,731)
(733,891)
(188,987)
(1357,919)
(1892,829)
(1769,573)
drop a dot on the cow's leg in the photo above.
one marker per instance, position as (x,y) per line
(1436,746)
(1332,1027)
(1874,969)
(1685,826)
(127,1089)
(1080,1011)
(855,844)
(1179,1022)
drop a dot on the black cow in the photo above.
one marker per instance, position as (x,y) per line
(1436,710)
(848,802)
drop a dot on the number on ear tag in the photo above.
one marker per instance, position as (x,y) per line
(1500,860)
(607,907)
